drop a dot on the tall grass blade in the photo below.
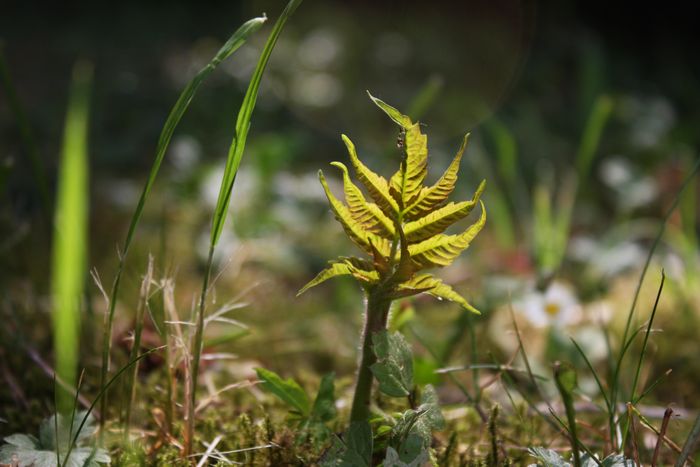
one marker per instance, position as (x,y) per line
(640,361)
(233,161)
(565,379)
(103,391)
(602,108)
(136,346)
(69,256)
(27,136)
(615,383)
(690,443)
(234,42)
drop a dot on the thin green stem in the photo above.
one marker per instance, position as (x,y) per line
(197,353)
(375,321)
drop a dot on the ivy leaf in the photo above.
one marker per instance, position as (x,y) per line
(442,249)
(394,366)
(431,197)
(287,390)
(432,285)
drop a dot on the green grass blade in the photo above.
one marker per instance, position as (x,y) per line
(594,373)
(602,108)
(233,161)
(243,125)
(234,42)
(640,361)
(692,440)
(614,389)
(69,256)
(103,391)
(425,97)
(26,134)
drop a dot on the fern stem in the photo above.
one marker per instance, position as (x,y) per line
(375,321)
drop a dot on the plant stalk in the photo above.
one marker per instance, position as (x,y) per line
(375,321)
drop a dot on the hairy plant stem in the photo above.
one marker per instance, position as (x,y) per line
(375,320)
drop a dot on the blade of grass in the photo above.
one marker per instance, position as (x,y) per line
(614,389)
(236,40)
(425,97)
(69,256)
(235,154)
(602,108)
(27,136)
(103,391)
(136,349)
(565,379)
(593,372)
(640,361)
(690,442)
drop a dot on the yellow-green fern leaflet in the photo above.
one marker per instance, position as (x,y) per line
(401,222)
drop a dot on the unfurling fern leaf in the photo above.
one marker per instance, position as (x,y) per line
(402,227)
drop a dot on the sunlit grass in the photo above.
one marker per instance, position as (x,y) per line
(70,245)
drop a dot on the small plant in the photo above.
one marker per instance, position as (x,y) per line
(402,230)
(310,418)
(53,447)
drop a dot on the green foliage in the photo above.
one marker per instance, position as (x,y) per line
(394,367)
(69,262)
(550,458)
(419,423)
(237,39)
(56,435)
(233,161)
(354,450)
(402,226)
(312,418)
(288,391)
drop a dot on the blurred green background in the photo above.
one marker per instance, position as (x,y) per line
(522,77)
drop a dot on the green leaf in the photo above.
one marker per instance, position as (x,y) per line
(400,119)
(430,406)
(376,185)
(368,214)
(360,444)
(394,366)
(287,390)
(407,182)
(354,229)
(360,269)
(442,249)
(432,285)
(70,241)
(324,405)
(432,197)
(548,458)
(565,377)
(245,113)
(438,221)
(410,454)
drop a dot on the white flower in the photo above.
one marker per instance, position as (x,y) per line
(557,306)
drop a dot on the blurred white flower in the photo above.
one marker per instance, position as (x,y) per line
(316,89)
(319,49)
(633,188)
(607,260)
(557,306)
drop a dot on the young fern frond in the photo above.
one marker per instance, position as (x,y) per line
(402,229)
